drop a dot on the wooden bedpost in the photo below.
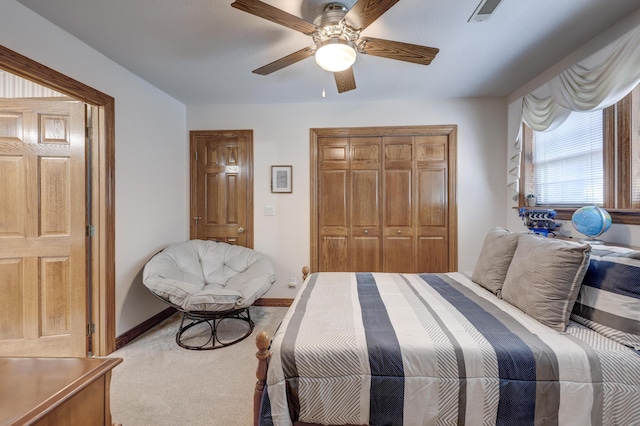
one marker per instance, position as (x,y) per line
(305,272)
(262,342)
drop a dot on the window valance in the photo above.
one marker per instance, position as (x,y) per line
(594,83)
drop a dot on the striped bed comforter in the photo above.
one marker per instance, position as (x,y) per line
(423,349)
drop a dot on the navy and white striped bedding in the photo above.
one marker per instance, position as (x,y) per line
(609,299)
(410,349)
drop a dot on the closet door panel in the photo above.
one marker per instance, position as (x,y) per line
(333,153)
(398,247)
(398,255)
(432,197)
(432,204)
(333,253)
(366,254)
(397,198)
(333,204)
(432,254)
(365,190)
(365,220)
(365,242)
(333,208)
(432,149)
(334,220)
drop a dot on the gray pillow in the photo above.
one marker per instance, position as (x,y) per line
(544,278)
(494,260)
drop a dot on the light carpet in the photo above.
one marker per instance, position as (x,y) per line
(159,383)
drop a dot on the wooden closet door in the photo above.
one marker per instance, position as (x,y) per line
(365,194)
(399,236)
(333,204)
(432,204)
(384,199)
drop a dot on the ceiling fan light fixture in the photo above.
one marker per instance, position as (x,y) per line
(335,55)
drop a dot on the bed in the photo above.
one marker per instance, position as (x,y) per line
(447,349)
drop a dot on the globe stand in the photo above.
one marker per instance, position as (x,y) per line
(592,241)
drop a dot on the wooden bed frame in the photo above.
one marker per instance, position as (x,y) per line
(263,340)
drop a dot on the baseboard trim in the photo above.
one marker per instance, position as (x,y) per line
(147,325)
(273,302)
(143,327)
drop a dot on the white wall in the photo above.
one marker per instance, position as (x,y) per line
(619,234)
(152,159)
(281,136)
(150,146)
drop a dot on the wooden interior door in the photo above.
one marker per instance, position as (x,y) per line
(222,186)
(43,302)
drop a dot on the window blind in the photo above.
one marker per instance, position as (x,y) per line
(568,161)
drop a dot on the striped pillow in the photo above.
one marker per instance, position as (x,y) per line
(609,298)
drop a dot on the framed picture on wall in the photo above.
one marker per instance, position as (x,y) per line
(281,178)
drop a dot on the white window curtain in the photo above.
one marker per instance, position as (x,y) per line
(594,83)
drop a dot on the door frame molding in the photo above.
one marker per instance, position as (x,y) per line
(373,131)
(103,184)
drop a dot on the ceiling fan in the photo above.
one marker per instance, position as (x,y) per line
(337,38)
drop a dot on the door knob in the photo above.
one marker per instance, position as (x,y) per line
(241,230)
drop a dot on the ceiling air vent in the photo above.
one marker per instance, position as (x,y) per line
(484,10)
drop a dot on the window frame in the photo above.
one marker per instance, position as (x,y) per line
(621,136)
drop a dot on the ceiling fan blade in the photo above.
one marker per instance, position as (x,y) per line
(273,14)
(422,55)
(286,61)
(345,80)
(364,12)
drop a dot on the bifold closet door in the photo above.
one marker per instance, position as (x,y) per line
(383,199)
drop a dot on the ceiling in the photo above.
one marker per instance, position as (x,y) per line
(203,51)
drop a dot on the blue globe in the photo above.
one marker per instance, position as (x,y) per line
(591,221)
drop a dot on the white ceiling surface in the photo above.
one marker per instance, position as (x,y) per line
(203,51)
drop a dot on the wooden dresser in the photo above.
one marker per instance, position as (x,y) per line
(55,391)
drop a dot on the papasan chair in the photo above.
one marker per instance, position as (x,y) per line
(209,282)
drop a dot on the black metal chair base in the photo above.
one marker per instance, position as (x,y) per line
(213,320)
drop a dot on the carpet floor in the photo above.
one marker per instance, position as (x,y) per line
(159,383)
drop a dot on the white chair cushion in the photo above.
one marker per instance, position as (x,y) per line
(202,275)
